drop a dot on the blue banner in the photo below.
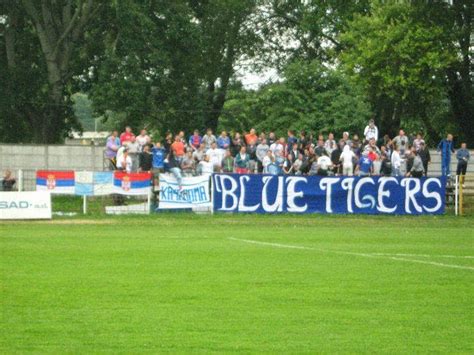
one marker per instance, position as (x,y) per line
(318,194)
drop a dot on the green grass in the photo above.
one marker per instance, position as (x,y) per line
(177,283)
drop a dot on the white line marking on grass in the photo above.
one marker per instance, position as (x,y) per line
(426,255)
(286,246)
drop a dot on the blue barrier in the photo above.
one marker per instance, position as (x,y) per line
(318,194)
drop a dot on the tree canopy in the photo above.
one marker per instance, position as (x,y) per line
(174,65)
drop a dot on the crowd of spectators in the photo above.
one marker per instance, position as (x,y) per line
(296,154)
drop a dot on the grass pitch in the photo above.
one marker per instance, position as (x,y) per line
(183,283)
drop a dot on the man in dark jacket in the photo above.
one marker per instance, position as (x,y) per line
(335,158)
(424,154)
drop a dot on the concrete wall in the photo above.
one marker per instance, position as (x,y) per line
(60,157)
(30,158)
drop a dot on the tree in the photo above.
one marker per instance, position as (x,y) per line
(404,55)
(59,29)
(168,65)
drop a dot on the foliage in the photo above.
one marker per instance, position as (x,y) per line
(311,97)
(171,65)
(401,56)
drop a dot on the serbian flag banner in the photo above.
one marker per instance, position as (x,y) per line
(132,183)
(56,182)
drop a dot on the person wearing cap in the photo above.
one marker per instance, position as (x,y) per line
(371,131)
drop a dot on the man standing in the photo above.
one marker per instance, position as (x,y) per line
(330,145)
(215,156)
(251,138)
(261,153)
(178,149)
(396,161)
(127,135)
(143,139)
(242,161)
(424,154)
(223,141)
(371,131)
(416,169)
(145,159)
(133,151)
(124,163)
(365,166)
(463,157)
(208,139)
(401,142)
(228,162)
(195,140)
(111,149)
(446,148)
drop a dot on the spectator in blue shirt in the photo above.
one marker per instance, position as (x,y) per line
(365,166)
(223,141)
(158,158)
(195,140)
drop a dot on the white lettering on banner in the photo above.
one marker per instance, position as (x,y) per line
(326,184)
(25,205)
(227,193)
(365,195)
(410,194)
(242,206)
(357,200)
(433,194)
(194,192)
(381,207)
(292,194)
(277,206)
(347,184)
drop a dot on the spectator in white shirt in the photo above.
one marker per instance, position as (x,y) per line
(199,153)
(278,147)
(324,163)
(396,161)
(330,144)
(371,131)
(418,141)
(205,167)
(347,159)
(125,162)
(142,139)
(267,161)
(215,155)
